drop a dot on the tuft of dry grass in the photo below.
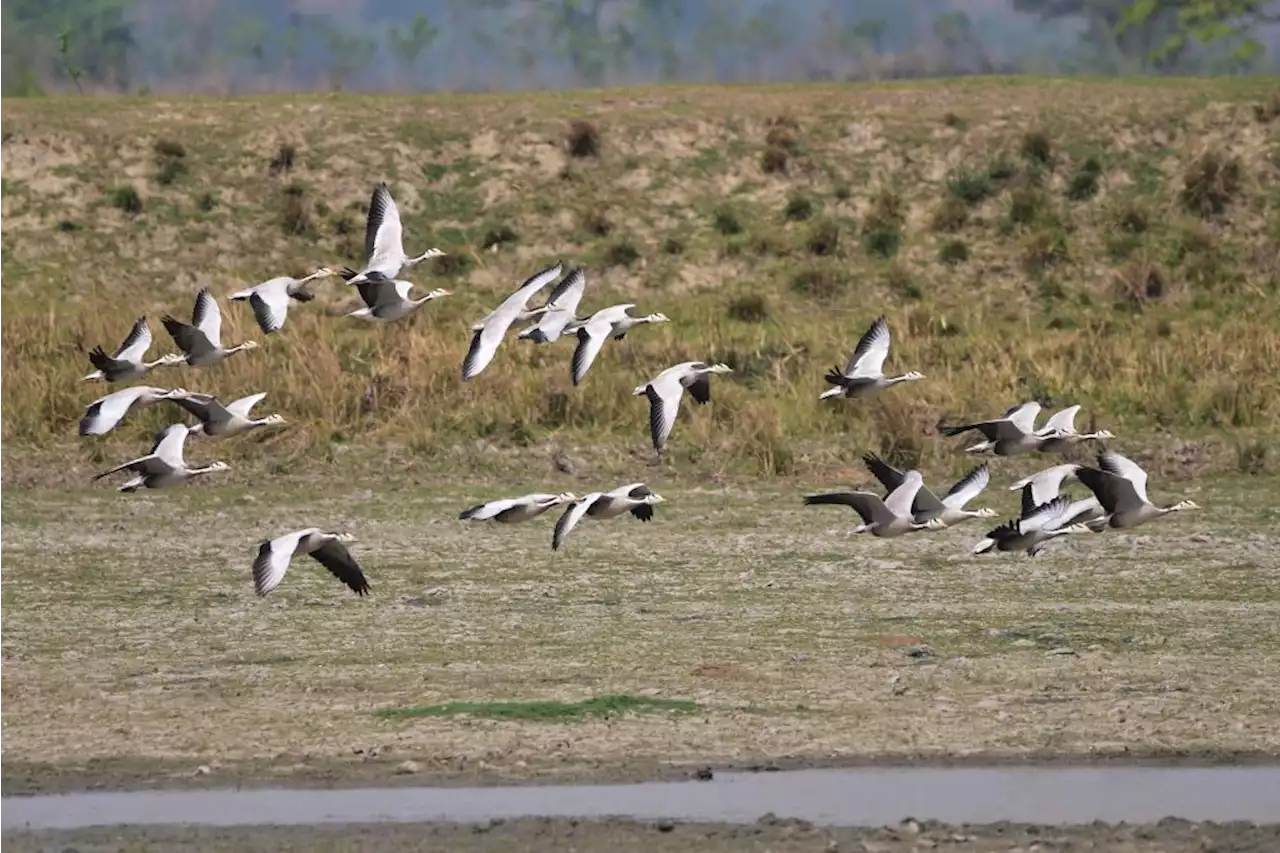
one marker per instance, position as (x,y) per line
(283,160)
(582,139)
(1140,281)
(773,160)
(1210,182)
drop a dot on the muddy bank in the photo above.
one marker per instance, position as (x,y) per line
(399,770)
(616,836)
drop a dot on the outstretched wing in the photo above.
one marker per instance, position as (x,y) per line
(1064,420)
(591,338)
(872,349)
(335,557)
(270,306)
(570,518)
(207,317)
(888,476)
(968,487)
(664,395)
(272,561)
(863,503)
(382,231)
(568,293)
(136,343)
(1114,463)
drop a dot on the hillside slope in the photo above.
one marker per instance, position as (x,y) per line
(1107,243)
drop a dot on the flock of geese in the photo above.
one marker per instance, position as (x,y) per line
(1117,485)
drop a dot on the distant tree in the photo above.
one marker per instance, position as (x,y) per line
(962,42)
(1204,21)
(1133,48)
(247,39)
(407,45)
(762,35)
(870,31)
(348,52)
(50,38)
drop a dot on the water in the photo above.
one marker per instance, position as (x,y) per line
(833,797)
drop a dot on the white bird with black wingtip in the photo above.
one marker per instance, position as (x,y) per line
(1034,528)
(127,362)
(1012,433)
(489,331)
(383,241)
(863,375)
(164,465)
(515,510)
(926,505)
(1062,434)
(635,498)
(612,322)
(883,517)
(201,340)
(388,300)
(103,414)
(270,299)
(1121,487)
(665,390)
(328,549)
(221,421)
(561,309)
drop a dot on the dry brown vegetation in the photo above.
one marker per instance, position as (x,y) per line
(994,245)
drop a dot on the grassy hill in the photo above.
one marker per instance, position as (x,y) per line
(1115,244)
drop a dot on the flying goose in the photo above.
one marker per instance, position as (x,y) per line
(1121,487)
(1013,432)
(388,300)
(1064,422)
(328,549)
(887,517)
(490,331)
(270,299)
(103,414)
(562,309)
(665,390)
(1046,484)
(863,375)
(926,504)
(164,465)
(634,498)
(219,421)
(126,363)
(201,342)
(612,322)
(383,246)
(513,510)
(1033,528)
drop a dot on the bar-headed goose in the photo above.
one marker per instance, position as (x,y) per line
(1064,423)
(887,517)
(612,322)
(201,342)
(388,300)
(635,498)
(218,420)
(383,246)
(127,363)
(863,374)
(1046,485)
(561,309)
(1033,529)
(926,504)
(665,390)
(103,414)
(270,299)
(328,549)
(1121,487)
(1014,432)
(164,465)
(514,510)
(489,332)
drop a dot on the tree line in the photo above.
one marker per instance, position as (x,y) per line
(424,45)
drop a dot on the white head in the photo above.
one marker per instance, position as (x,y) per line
(720,368)
(343,537)
(172,358)
(912,376)
(653,498)
(640,390)
(273,420)
(984,512)
(438,292)
(198,429)
(656,318)
(175,394)
(1181,505)
(566,498)
(249,345)
(218,466)
(1104,434)
(935,524)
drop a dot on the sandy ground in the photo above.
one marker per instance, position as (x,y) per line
(769,834)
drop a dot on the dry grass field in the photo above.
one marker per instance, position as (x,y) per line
(1108,243)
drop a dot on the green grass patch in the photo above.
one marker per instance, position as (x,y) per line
(609,705)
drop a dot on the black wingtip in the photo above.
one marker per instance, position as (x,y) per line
(644,512)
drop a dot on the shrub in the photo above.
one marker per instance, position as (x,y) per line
(882,242)
(68,226)
(1132,219)
(170,170)
(499,235)
(295,213)
(1025,204)
(1269,109)
(1138,282)
(781,136)
(125,198)
(950,119)
(823,238)
(582,139)
(1084,183)
(1000,169)
(621,254)
(750,308)
(1044,249)
(843,192)
(969,186)
(821,282)
(798,209)
(206,201)
(773,160)
(284,159)
(1037,148)
(452,265)
(1209,184)
(726,221)
(596,222)
(953,252)
(671,246)
(950,215)
(169,149)
(900,281)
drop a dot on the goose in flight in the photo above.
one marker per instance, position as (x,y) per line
(950,509)
(612,322)
(490,331)
(1013,432)
(219,421)
(514,510)
(383,246)
(635,498)
(887,517)
(863,375)
(1064,423)
(328,549)
(1047,484)
(164,465)
(1033,529)
(126,363)
(103,414)
(270,300)
(388,300)
(562,309)
(665,390)
(1121,487)
(201,341)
